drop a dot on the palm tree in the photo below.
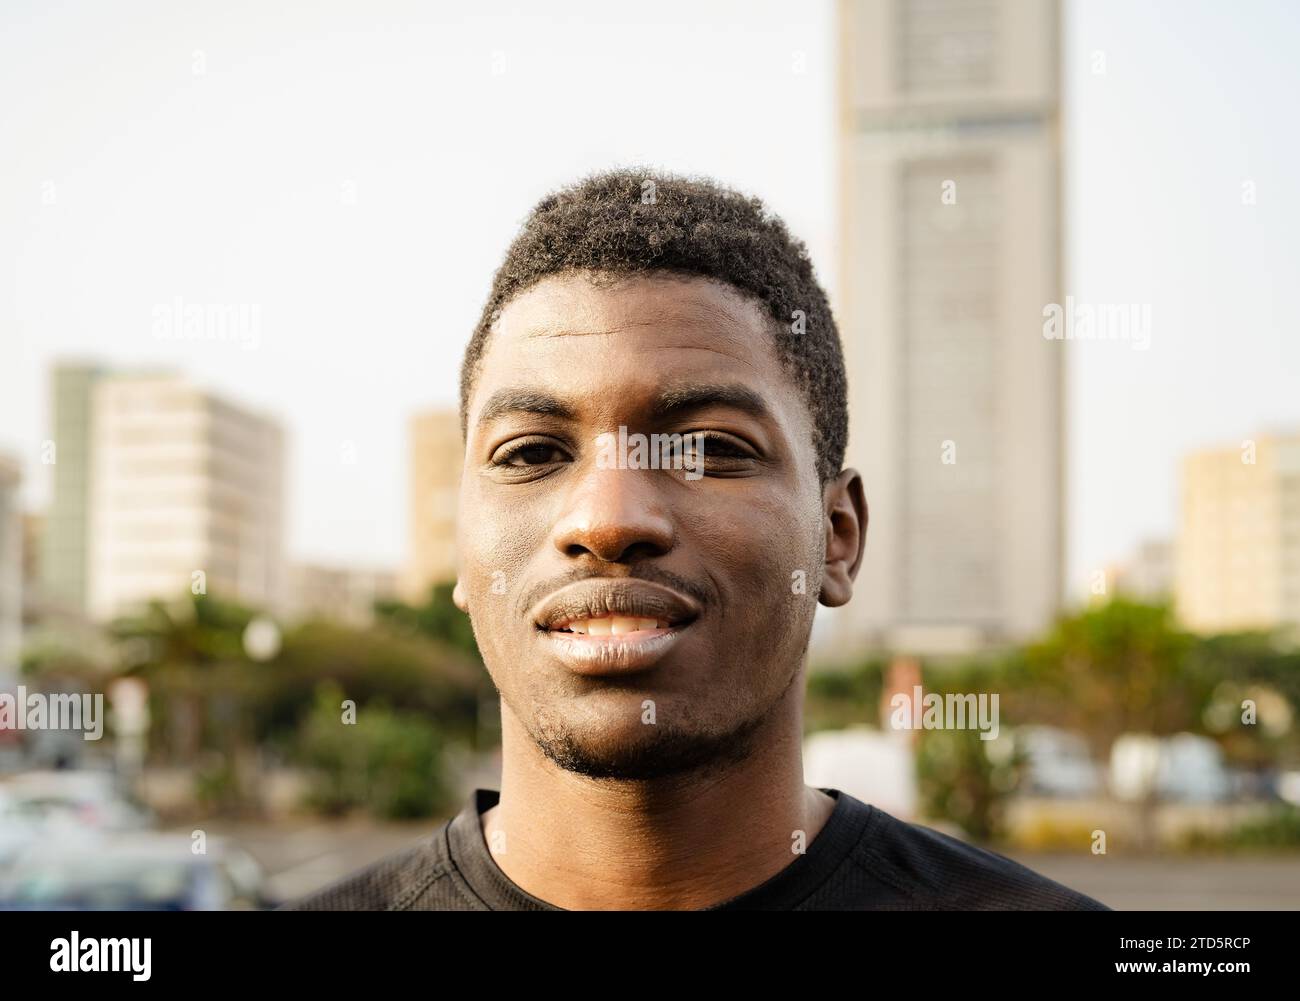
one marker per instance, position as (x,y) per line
(191,654)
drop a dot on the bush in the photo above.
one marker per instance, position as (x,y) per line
(388,763)
(1279,830)
(216,784)
(958,781)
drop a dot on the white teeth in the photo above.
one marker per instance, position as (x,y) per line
(613,625)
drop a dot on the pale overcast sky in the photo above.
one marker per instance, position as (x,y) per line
(357,169)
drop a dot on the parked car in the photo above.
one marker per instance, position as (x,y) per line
(38,807)
(17,828)
(1058,763)
(134,871)
(1184,768)
(88,799)
(1192,770)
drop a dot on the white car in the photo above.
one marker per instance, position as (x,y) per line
(87,799)
(1058,763)
(51,806)
(133,871)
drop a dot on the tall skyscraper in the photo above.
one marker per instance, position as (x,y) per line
(186,496)
(65,546)
(950,243)
(1237,555)
(437,454)
(11,569)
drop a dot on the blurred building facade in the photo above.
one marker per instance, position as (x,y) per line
(1147,574)
(951,248)
(160,489)
(1237,556)
(11,568)
(341,594)
(65,550)
(33,541)
(436,456)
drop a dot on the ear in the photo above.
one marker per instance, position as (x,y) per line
(458,597)
(845,504)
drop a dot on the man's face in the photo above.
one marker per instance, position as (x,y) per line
(702,574)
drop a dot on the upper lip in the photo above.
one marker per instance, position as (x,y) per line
(597,597)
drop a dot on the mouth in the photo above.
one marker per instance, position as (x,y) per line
(604,627)
(611,625)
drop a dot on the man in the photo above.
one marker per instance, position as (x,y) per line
(652,504)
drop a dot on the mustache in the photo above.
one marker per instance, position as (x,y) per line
(655,575)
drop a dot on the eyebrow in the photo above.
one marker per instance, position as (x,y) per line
(522,401)
(671,401)
(696,396)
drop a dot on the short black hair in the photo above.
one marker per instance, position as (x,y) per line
(630,222)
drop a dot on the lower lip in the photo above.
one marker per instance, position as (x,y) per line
(597,656)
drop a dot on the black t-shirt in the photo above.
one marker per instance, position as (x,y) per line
(862,859)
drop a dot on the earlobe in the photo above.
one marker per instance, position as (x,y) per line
(846,535)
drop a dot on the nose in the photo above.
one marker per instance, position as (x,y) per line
(615,515)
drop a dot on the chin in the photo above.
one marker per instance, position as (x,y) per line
(635,750)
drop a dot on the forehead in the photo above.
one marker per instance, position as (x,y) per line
(615,344)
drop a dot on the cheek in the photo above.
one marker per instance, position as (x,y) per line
(762,554)
(494,558)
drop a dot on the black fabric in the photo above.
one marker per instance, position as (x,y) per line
(862,859)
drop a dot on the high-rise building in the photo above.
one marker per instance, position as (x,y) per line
(11,568)
(1237,555)
(951,250)
(437,454)
(33,532)
(1147,574)
(341,594)
(186,496)
(65,541)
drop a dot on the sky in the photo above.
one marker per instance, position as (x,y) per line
(355,171)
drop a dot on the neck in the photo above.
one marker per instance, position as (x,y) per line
(683,842)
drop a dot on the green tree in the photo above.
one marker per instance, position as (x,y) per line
(389,763)
(1112,669)
(437,617)
(191,653)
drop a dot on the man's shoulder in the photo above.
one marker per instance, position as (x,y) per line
(934,871)
(417,877)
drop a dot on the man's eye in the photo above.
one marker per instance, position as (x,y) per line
(720,452)
(720,446)
(529,453)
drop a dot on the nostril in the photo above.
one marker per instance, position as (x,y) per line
(616,554)
(614,539)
